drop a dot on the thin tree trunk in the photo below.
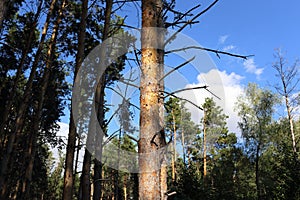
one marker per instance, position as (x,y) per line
(24,105)
(174,148)
(291,122)
(68,176)
(151,135)
(204,146)
(85,183)
(257,172)
(125,186)
(36,121)
(100,106)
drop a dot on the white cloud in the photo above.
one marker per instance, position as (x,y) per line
(228,48)
(251,67)
(224,85)
(223,38)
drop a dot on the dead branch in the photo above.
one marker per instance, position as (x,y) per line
(133,138)
(127,83)
(185,14)
(183,99)
(176,68)
(186,89)
(217,52)
(112,136)
(212,93)
(193,19)
(123,97)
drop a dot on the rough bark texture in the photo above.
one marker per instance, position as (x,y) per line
(151,132)
(68,176)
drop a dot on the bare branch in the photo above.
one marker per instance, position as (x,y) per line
(133,138)
(127,83)
(111,137)
(184,15)
(176,68)
(185,25)
(212,93)
(128,26)
(123,97)
(217,52)
(183,99)
(127,1)
(186,89)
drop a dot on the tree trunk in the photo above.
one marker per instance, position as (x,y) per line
(291,122)
(68,176)
(85,183)
(257,172)
(174,148)
(24,105)
(38,115)
(151,132)
(204,147)
(125,186)
(100,106)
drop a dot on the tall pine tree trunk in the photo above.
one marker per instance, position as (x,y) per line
(68,175)
(37,119)
(151,132)
(100,106)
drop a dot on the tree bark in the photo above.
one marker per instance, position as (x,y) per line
(100,106)
(68,175)
(204,147)
(151,132)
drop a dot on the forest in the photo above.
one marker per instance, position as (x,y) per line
(131,134)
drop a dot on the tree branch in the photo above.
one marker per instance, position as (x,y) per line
(217,52)
(176,68)
(183,99)
(186,89)
(185,25)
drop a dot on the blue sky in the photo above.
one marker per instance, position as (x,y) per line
(238,26)
(251,27)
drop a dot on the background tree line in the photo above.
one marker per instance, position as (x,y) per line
(42,46)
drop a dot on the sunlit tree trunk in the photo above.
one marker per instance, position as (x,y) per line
(151,132)
(68,176)
(204,146)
